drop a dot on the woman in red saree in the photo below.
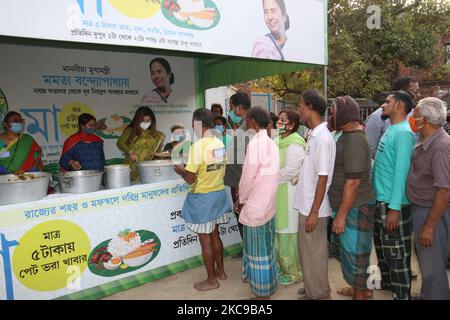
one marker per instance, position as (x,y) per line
(84,149)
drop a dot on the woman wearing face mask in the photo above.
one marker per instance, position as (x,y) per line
(162,77)
(271,45)
(140,140)
(220,127)
(292,152)
(84,149)
(18,151)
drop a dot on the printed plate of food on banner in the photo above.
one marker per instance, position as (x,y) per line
(191,14)
(127,252)
(112,126)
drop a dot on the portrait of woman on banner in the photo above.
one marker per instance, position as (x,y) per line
(271,45)
(163,79)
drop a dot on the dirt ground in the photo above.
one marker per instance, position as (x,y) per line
(179,286)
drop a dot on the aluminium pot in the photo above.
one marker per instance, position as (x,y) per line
(83,181)
(156,171)
(118,176)
(13,190)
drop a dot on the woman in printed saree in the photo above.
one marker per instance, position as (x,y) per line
(84,149)
(292,152)
(141,140)
(18,151)
(256,207)
(351,197)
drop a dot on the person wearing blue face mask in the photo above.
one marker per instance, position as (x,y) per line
(18,151)
(84,149)
(240,105)
(234,119)
(220,126)
(178,137)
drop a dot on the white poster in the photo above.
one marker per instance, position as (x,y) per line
(291,30)
(51,87)
(59,246)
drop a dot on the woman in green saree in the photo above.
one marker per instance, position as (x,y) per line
(292,153)
(18,151)
(140,140)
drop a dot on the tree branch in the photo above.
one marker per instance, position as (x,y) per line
(400,10)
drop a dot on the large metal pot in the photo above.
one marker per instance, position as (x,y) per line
(13,190)
(156,171)
(82,181)
(118,176)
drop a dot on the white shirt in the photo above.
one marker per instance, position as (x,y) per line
(319,161)
(294,159)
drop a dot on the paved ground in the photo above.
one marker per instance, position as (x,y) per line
(179,286)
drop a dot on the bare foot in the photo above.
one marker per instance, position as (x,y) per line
(221,275)
(348,292)
(206,285)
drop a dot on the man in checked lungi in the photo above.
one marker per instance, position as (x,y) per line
(393,229)
(256,205)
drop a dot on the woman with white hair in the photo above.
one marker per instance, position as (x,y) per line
(428,189)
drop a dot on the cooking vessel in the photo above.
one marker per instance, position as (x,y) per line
(82,181)
(13,190)
(118,176)
(156,171)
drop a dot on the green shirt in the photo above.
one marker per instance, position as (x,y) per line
(352,162)
(391,166)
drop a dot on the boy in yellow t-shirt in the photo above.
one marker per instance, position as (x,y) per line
(206,205)
(207,158)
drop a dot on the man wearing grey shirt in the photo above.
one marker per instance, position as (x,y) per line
(375,128)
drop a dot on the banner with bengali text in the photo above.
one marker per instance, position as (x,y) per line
(51,87)
(64,245)
(229,27)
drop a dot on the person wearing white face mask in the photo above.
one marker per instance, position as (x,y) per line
(140,140)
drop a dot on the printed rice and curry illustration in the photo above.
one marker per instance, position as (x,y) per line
(128,251)
(202,14)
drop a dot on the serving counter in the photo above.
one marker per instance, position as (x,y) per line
(87,246)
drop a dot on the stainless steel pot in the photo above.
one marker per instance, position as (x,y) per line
(118,176)
(13,190)
(82,181)
(156,171)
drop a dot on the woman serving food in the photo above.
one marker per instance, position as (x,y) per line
(84,149)
(141,140)
(18,151)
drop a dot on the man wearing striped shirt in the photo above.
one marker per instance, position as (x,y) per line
(428,190)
